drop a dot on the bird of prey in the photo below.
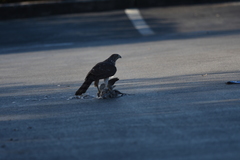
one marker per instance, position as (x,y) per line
(102,70)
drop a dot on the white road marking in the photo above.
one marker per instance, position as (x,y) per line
(138,22)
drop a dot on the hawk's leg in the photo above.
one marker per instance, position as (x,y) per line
(96,85)
(106,81)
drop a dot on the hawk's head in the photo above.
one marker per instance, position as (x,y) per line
(114,57)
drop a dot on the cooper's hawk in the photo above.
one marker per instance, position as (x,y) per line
(102,70)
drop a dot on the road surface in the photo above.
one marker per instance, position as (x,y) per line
(178,106)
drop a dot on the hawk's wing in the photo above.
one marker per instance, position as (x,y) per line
(102,70)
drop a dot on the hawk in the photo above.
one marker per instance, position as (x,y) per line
(102,70)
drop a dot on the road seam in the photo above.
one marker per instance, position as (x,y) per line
(37,46)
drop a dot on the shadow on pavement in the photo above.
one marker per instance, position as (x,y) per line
(112,28)
(178,113)
(183,91)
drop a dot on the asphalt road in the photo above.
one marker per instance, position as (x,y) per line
(179,106)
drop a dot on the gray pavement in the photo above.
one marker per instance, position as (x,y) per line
(179,107)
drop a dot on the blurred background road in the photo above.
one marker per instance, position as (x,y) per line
(179,106)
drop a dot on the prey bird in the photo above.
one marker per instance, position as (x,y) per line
(102,70)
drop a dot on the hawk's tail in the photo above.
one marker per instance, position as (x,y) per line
(84,87)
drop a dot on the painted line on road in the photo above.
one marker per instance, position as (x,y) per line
(138,22)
